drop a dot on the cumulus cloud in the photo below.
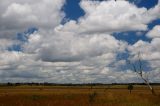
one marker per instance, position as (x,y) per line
(113,16)
(17,15)
(149,53)
(78,51)
(154,33)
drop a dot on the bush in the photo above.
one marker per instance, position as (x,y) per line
(92,97)
(130,88)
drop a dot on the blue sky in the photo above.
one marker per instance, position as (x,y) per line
(73,11)
(78,41)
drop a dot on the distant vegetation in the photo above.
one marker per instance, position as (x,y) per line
(70,84)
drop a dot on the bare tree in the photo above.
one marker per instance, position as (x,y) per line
(140,72)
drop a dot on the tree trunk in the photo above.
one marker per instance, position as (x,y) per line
(150,87)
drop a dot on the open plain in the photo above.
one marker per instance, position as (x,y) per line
(114,95)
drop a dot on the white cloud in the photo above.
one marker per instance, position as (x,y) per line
(5,43)
(111,16)
(17,15)
(149,52)
(78,51)
(66,46)
(155,32)
(17,9)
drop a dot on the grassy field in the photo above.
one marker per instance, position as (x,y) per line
(78,96)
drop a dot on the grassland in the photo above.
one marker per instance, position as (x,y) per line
(78,96)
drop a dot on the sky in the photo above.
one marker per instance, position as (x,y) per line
(79,41)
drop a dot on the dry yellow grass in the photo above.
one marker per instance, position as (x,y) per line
(78,96)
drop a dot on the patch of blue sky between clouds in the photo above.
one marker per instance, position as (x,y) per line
(15,47)
(132,36)
(154,23)
(22,37)
(144,3)
(125,57)
(72,10)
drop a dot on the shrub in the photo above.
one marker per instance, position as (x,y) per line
(130,88)
(92,98)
